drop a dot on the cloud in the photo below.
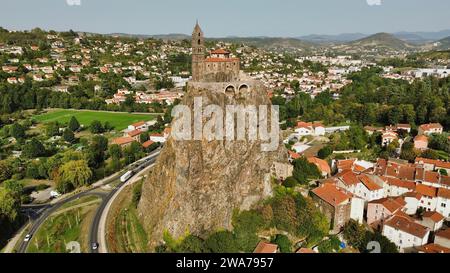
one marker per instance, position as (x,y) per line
(374,2)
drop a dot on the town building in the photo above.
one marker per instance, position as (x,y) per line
(309,129)
(380,210)
(431,128)
(405,233)
(442,238)
(266,248)
(432,220)
(220,66)
(421,142)
(338,205)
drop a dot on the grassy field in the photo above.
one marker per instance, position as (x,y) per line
(120,121)
(131,236)
(125,232)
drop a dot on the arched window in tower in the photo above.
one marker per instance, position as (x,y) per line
(199,41)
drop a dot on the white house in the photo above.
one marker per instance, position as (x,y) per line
(412,200)
(443,202)
(310,128)
(360,185)
(157,138)
(442,238)
(142,126)
(431,128)
(432,220)
(433,165)
(394,187)
(429,197)
(388,138)
(435,72)
(357,209)
(405,233)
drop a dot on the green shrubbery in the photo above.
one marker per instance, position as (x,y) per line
(358,237)
(287,212)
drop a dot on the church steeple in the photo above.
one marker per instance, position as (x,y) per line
(198,52)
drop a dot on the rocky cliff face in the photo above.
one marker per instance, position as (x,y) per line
(196,185)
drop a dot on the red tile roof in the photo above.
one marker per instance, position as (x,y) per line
(264,247)
(321,164)
(434,216)
(416,195)
(138,124)
(147,144)
(346,164)
(421,138)
(445,180)
(431,177)
(293,155)
(134,133)
(428,127)
(426,190)
(410,185)
(305,251)
(444,233)
(302,124)
(390,204)
(370,185)
(220,51)
(348,177)
(331,194)
(406,172)
(405,225)
(221,60)
(437,163)
(433,249)
(444,193)
(123,140)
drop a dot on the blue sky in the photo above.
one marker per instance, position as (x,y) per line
(281,18)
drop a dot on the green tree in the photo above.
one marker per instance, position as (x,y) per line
(325,152)
(304,171)
(431,154)
(222,242)
(283,243)
(115,151)
(69,136)
(52,129)
(137,193)
(76,173)
(192,244)
(34,148)
(74,125)
(97,150)
(5,171)
(354,234)
(144,137)
(96,127)
(17,131)
(290,182)
(9,205)
(285,213)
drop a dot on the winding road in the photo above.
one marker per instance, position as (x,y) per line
(45,211)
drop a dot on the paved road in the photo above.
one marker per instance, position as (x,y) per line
(39,213)
(102,211)
(49,210)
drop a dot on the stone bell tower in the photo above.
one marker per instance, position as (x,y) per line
(198,53)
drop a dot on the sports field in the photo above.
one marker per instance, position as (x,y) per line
(120,121)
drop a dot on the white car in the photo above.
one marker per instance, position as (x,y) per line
(54,194)
(27,238)
(95,246)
